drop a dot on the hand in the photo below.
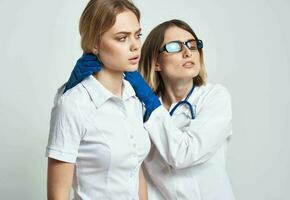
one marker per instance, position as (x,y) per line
(85,66)
(143,92)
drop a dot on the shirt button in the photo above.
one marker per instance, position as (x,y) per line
(131,136)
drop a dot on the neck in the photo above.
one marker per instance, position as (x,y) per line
(111,80)
(175,91)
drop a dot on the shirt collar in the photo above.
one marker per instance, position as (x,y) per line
(99,94)
(128,91)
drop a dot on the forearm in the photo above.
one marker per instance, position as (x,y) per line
(59,179)
(143,195)
(191,146)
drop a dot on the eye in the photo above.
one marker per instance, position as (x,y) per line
(193,48)
(173,47)
(191,45)
(122,39)
(139,35)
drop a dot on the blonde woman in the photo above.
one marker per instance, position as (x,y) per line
(97,141)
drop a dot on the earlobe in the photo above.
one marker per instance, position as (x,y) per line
(95,50)
(96,53)
(157,66)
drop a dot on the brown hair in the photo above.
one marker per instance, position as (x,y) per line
(150,52)
(98,17)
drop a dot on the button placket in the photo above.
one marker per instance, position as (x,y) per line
(132,142)
(134,147)
(134,155)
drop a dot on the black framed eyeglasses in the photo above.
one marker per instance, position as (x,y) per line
(176,46)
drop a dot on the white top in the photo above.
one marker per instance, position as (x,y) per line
(103,135)
(187,158)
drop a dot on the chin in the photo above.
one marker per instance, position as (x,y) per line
(187,73)
(193,72)
(186,76)
(131,68)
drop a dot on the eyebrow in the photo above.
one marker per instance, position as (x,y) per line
(127,33)
(181,41)
(178,41)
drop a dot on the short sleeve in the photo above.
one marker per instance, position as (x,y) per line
(65,132)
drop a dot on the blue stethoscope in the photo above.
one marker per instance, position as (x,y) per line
(185,101)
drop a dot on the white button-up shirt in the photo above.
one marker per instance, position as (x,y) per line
(187,158)
(103,135)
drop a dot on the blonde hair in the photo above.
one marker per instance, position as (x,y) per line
(98,17)
(150,52)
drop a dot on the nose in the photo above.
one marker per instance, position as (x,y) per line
(135,44)
(186,51)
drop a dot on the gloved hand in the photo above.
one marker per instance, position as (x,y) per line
(143,92)
(85,66)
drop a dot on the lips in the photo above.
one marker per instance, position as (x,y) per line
(188,64)
(134,60)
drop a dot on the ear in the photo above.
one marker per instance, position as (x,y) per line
(95,50)
(157,66)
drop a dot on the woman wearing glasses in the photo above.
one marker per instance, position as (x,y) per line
(188,120)
(191,130)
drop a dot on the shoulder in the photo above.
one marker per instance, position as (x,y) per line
(213,94)
(71,100)
(214,100)
(213,90)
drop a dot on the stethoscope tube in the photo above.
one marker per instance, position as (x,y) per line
(185,101)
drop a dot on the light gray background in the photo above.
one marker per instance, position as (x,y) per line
(246,49)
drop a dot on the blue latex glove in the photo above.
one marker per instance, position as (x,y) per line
(85,66)
(143,92)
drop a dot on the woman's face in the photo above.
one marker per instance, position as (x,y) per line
(119,48)
(182,65)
